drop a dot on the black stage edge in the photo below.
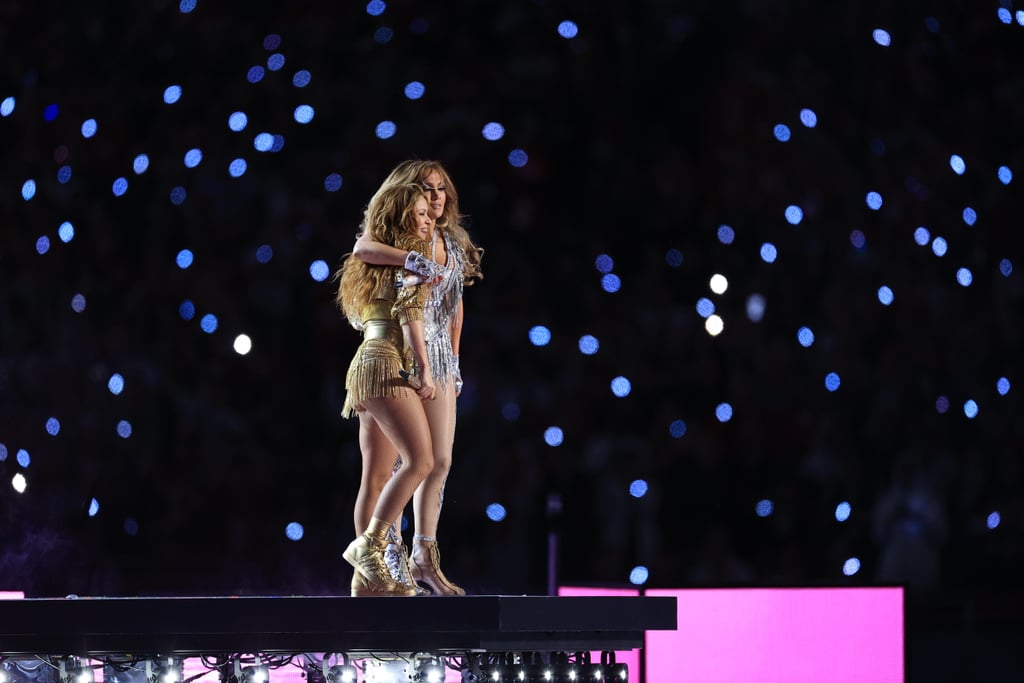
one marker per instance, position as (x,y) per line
(195,626)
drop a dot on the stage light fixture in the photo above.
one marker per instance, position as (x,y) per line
(258,673)
(345,672)
(612,672)
(167,670)
(428,669)
(72,670)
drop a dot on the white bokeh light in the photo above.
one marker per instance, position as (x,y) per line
(243,344)
(719,283)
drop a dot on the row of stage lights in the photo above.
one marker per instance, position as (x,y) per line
(506,667)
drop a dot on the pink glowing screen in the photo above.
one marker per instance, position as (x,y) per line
(630,657)
(780,635)
(11,595)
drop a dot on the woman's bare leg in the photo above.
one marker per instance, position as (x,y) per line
(425,559)
(379,457)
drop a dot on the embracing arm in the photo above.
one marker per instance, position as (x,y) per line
(378,254)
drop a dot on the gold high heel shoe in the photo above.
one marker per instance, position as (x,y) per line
(425,565)
(366,554)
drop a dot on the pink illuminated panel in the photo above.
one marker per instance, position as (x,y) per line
(781,635)
(630,657)
(11,595)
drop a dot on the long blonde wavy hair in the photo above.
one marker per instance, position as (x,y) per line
(389,215)
(415,171)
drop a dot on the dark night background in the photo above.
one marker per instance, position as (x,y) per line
(644,133)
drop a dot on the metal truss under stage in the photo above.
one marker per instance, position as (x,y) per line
(199,626)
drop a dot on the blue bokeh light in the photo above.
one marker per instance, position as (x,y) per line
(1003,386)
(794,214)
(677,429)
(922,235)
(375,8)
(970,216)
(178,195)
(208,323)
(726,235)
(115,384)
(843,511)
(119,187)
(638,488)
(885,295)
(638,575)
(496,512)
(172,94)
(493,131)
(568,29)
(264,253)
(604,263)
(764,508)
(333,182)
(89,128)
(851,566)
(1005,175)
(301,78)
(140,164)
(939,246)
(956,162)
(304,113)
(882,37)
(294,531)
(53,426)
(621,387)
(42,245)
(184,258)
(414,90)
(808,117)
(769,252)
(553,436)
(832,381)
(540,335)
(319,270)
(589,345)
(23,458)
(993,520)
(7,106)
(971,408)
(873,200)
(723,412)
(1005,268)
(964,277)
(518,158)
(386,130)
(255,74)
(275,62)
(611,283)
(187,310)
(781,132)
(705,307)
(124,429)
(237,168)
(805,336)
(66,231)
(674,257)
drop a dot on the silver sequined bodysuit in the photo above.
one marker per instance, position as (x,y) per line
(441,306)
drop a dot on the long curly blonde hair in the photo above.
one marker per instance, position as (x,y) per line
(388,216)
(415,171)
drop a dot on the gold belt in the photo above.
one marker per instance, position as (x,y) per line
(379,329)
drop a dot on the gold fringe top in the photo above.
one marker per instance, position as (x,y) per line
(374,370)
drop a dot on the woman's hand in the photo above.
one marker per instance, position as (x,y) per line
(427,389)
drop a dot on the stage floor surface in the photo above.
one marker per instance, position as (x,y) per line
(196,626)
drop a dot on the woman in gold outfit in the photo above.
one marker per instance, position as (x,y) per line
(451,262)
(391,320)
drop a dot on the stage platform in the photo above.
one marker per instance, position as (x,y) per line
(95,627)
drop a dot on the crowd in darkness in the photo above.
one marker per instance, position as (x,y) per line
(644,132)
